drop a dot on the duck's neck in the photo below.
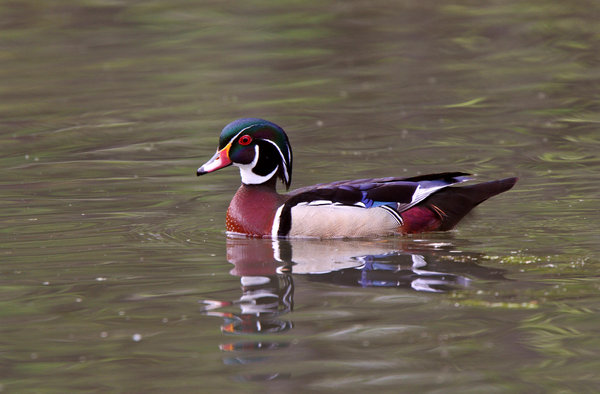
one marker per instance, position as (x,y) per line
(271,184)
(253,207)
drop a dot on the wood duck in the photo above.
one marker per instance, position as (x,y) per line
(344,209)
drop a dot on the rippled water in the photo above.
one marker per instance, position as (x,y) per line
(116,274)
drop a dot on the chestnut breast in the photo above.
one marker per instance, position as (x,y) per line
(252,210)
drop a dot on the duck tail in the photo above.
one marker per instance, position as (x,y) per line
(453,203)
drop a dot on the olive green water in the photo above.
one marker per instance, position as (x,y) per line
(116,274)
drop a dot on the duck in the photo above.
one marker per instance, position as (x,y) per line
(361,208)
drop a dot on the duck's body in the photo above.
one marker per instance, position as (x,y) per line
(358,208)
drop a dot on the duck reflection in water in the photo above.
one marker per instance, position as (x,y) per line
(267,269)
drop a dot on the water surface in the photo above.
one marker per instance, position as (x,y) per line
(116,273)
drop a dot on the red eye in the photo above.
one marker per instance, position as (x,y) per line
(245,140)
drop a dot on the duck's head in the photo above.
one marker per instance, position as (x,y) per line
(258,147)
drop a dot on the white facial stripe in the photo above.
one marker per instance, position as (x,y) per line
(285,171)
(248,176)
(235,136)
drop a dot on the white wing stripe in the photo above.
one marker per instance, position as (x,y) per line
(394,214)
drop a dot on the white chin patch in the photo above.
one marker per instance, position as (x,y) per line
(249,177)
